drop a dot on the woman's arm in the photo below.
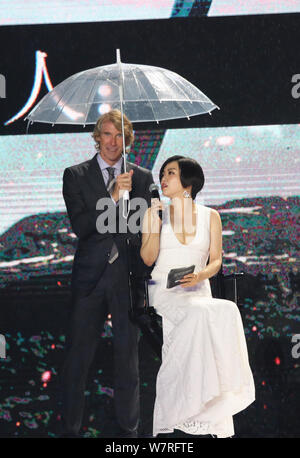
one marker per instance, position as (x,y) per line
(215,250)
(151,234)
(215,253)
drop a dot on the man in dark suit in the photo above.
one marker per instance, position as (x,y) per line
(100,274)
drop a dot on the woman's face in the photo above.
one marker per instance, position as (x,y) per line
(170,183)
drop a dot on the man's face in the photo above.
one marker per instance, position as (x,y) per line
(111,143)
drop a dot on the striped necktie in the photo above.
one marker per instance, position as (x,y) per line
(111,176)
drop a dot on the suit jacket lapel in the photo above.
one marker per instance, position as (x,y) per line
(96,178)
(129,166)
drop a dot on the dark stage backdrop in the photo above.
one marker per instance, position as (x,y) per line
(244,64)
(250,154)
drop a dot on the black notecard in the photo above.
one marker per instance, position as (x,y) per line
(175,275)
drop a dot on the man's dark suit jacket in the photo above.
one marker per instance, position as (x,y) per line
(83,186)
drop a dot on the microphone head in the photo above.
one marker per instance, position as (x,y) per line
(153,187)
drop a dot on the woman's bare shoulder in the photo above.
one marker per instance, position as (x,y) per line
(215,218)
(213,213)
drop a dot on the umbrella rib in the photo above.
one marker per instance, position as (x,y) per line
(140,84)
(188,99)
(93,85)
(131,69)
(182,91)
(180,103)
(57,103)
(178,87)
(66,102)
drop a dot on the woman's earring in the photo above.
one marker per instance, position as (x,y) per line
(186,194)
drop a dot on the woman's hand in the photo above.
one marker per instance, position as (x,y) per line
(190,280)
(156,222)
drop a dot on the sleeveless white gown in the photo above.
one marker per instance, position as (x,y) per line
(205,377)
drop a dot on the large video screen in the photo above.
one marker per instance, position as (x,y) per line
(18,12)
(252,177)
(241,54)
(239,163)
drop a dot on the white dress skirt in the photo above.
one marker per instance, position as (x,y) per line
(205,377)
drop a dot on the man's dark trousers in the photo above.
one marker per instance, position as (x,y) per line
(110,295)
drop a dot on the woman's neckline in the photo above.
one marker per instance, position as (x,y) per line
(196,232)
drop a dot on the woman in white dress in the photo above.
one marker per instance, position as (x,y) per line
(205,377)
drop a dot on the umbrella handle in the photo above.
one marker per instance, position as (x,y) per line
(121,103)
(126,193)
(126,204)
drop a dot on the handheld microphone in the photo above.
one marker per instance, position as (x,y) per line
(153,188)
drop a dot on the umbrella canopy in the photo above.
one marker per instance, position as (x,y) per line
(149,94)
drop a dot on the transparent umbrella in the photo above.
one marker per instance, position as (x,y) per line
(142,92)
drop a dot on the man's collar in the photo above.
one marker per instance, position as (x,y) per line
(103,164)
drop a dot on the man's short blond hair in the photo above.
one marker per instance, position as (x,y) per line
(114,116)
